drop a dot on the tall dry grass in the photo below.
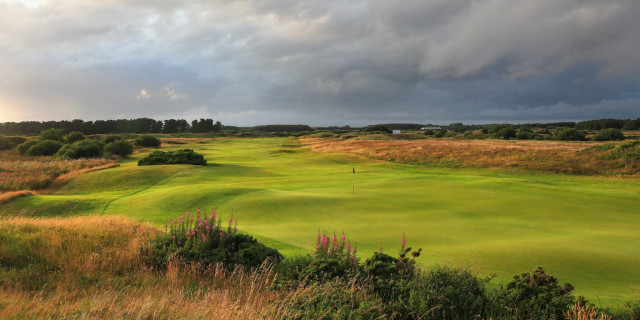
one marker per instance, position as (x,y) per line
(94,268)
(38,173)
(579,312)
(544,156)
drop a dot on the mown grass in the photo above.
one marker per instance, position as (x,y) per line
(581,229)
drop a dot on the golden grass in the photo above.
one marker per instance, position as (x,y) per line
(585,313)
(545,156)
(94,268)
(38,173)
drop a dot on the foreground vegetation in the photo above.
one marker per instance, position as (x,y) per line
(97,267)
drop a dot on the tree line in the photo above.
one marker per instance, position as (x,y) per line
(139,125)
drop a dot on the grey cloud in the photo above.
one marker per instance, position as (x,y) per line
(321,62)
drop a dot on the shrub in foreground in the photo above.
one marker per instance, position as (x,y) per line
(204,241)
(185,156)
(44,148)
(536,295)
(82,149)
(119,148)
(147,141)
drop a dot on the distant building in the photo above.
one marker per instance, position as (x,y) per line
(431,128)
(396,131)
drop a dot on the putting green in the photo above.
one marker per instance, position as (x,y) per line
(583,230)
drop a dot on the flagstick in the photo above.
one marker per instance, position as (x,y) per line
(354,180)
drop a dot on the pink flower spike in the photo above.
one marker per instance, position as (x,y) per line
(342,237)
(231,220)
(188,213)
(348,247)
(138,229)
(235,229)
(213,215)
(198,211)
(404,241)
(183,216)
(179,243)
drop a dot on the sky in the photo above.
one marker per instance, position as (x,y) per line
(320,62)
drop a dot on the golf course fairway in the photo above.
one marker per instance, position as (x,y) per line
(582,230)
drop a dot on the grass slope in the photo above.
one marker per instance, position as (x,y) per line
(583,230)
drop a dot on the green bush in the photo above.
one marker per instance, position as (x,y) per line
(439,133)
(205,242)
(444,293)
(608,135)
(568,134)
(536,295)
(185,156)
(502,131)
(147,142)
(377,128)
(52,134)
(82,149)
(111,138)
(74,136)
(24,147)
(526,135)
(15,141)
(4,143)
(44,148)
(119,148)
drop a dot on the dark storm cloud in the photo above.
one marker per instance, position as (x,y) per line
(321,62)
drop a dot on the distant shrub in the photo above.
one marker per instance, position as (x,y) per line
(608,135)
(502,131)
(204,241)
(377,128)
(74,136)
(111,138)
(147,141)
(525,135)
(185,156)
(439,133)
(428,132)
(82,149)
(536,295)
(15,141)
(568,134)
(52,134)
(4,143)
(24,147)
(119,148)
(44,148)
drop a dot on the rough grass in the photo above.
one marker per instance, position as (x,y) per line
(581,229)
(33,173)
(542,156)
(92,268)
